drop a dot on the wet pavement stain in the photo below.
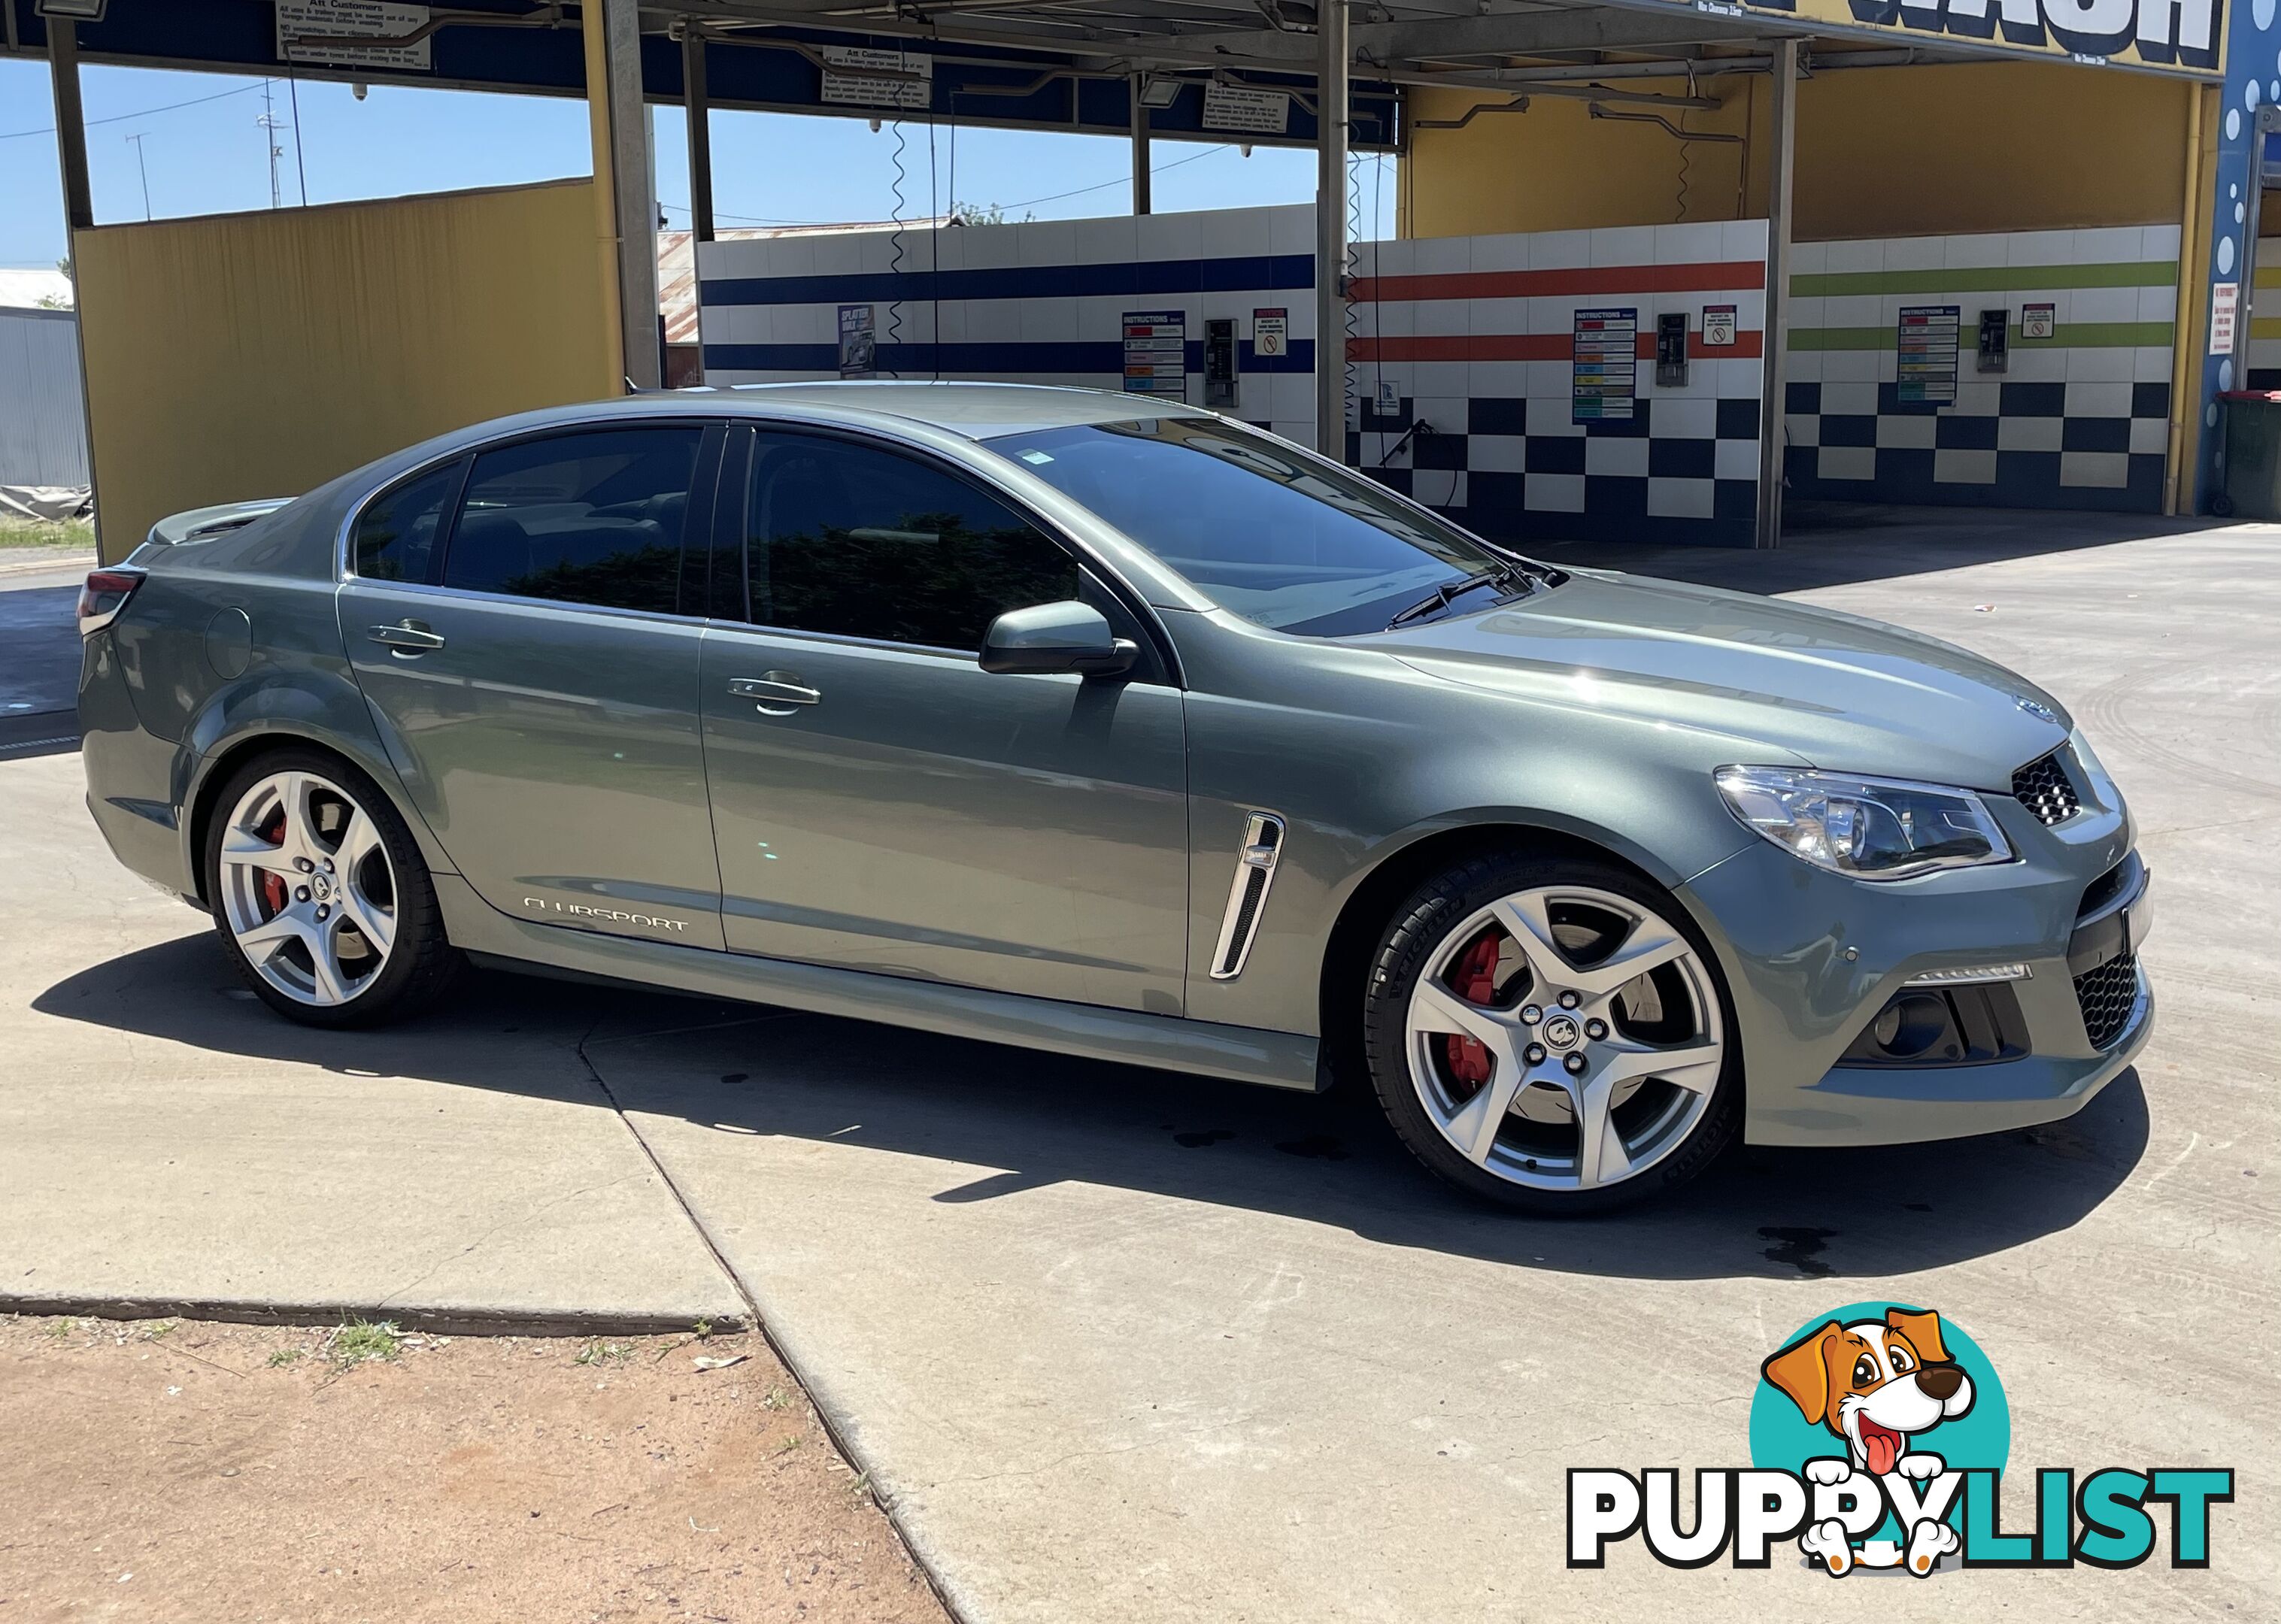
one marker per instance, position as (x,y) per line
(1798,1249)
(1319,1146)
(1195,1140)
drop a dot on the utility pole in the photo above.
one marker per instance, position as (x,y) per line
(143,170)
(271,124)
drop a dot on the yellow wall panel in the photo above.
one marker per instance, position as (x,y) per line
(253,355)
(1882,152)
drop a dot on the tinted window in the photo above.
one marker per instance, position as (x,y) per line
(592,518)
(867,543)
(395,537)
(1278,538)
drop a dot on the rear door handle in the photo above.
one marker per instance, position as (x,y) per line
(779,692)
(408,637)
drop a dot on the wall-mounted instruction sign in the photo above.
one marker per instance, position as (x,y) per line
(860,76)
(327,31)
(1270,334)
(1238,107)
(2225,303)
(859,342)
(1925,372)
(1604,370)
(2038,320)
(1718,327)
(1156,353)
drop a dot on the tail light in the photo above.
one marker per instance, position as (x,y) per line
(103,596)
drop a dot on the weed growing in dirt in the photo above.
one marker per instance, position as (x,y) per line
(788,1446)
(702,1330)
(61,1328)
(775,1398)
(287,1356)
(165,1327)
(358,1341)
(603,1353)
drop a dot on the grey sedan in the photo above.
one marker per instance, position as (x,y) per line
(1084,723)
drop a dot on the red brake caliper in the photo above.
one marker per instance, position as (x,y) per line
(1473,979)
(273,885)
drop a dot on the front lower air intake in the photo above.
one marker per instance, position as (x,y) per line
(1247,894)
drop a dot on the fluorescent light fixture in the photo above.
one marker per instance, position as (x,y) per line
(1157,92)
(74,10)
(1970,973)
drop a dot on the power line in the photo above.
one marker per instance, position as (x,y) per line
(121,117)
(1155,169)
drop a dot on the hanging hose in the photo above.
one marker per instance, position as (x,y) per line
(895,261)
(1346,305)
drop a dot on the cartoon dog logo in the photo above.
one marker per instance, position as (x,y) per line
(1878,1384)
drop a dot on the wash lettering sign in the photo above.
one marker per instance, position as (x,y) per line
(2175,36)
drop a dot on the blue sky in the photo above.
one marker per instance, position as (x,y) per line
(212,157)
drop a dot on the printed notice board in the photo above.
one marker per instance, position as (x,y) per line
(859,342)
(1606,365)
(1925,372)
(1156,353)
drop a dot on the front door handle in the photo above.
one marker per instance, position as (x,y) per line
(779,692)
(407,637)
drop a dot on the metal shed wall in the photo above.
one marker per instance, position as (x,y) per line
(42,420)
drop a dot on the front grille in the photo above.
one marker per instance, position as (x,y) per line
(2106,994)
(2043,788)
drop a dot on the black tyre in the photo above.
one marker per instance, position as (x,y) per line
(1552,1034)
(320,893)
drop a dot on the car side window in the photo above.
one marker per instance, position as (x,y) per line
(396,534)
(867,542)
(593,518)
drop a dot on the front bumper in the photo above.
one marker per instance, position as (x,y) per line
(1812,958)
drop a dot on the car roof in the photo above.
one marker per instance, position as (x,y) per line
(976,411)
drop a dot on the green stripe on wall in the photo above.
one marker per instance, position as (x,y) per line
(2068,335)
(1987,278)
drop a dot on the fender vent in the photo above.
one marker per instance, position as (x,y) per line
(1247,894)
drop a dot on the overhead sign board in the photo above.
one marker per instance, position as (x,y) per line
(328,32)
(1239,107)
(2179,36)
(859,76)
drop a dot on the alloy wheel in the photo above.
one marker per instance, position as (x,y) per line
(308,890)
(1565,1038)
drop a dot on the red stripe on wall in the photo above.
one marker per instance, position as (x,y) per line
(1747,346)
(1589,280)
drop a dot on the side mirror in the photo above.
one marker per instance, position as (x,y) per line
(1056,638)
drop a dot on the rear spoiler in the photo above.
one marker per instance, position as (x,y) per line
(202,524)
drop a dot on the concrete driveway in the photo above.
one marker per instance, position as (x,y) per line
(1121,1346)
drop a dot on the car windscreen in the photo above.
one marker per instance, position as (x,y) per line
(1276,537)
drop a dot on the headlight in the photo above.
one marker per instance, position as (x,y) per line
(1871,828)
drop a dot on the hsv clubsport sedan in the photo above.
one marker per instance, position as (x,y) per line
(1099,726)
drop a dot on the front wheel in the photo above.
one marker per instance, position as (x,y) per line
(320,893)
(1552,1034)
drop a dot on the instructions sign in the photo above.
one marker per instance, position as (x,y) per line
(1925,372)
(1270,334)
(860,76)
(859,342)
(1606,365)
(1156,353)
(1718,327)
(326,31)
(2038,320)
(1239,107)
(2225,305)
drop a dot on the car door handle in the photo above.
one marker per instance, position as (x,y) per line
(776,694)
(408,637)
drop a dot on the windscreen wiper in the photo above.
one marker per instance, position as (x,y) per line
(1449,592)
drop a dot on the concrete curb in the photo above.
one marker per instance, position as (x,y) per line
(444,1320)
(39,561)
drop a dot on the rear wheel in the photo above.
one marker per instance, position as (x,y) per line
(1552,1035)
(320,893)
